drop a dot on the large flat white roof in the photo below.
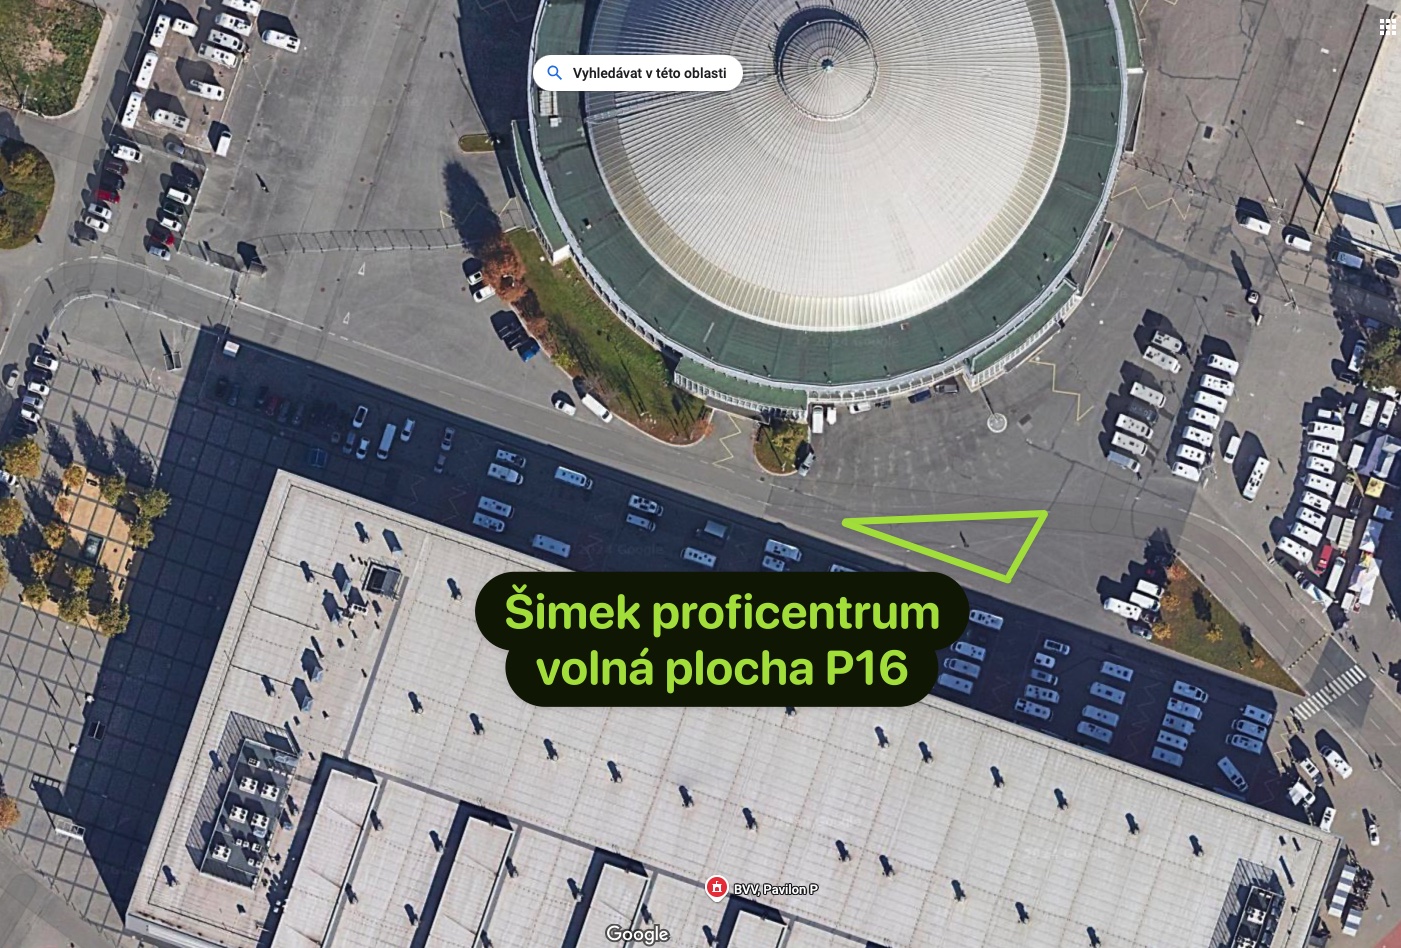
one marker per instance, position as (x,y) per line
(443,865)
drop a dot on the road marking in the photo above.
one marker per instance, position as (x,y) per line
(346,321)
(1152,207)
(1035,360)
(1329,693)
(361,271)
(729,455)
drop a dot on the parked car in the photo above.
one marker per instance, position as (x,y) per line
(563,403)
(44,360)
(1335,760)
(361,413)
(483,292)
(96,223)
(406,432)
(645,505)
(1311,769)
(157,251)
(282,40)
(99,210)
(448,434)
(1059,648)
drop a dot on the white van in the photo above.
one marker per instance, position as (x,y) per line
(217,55)
(639,521)
(1257,478)
(962,685)
(221,144)
(1095,732)
(1388,412)
(1167,342)
(1162,360)
(1258,715)
(493,506)
(1164,756)
(1134,427)
(1322,429)
(1147,603)
(1180,725)
(986,619)
(550,545)
(1233,774)
(1187,471)
(1320,465)
(147,72)
(228,41)
(1175,741)
(1210,401)
(488,522)
(1344,259)
(1223,364)
(597,407)
(1295,550)
(1220,386)
(1124,461)
(1121,672)
(1149,588)
(1324,485)
(1250,222)
(1326,449)
(1126,609)
(1145,394)
(206,90)
(573,478)
(1101,716)
(959,667)
(1200,416)
(132,111)
(1306,534)
(1198,436)
(159,31)
(1312,517)
(1232,449)
(1130,444)
(386,441)
(1192,455)
(1108,692)
(699,557)
(501,472)
(1369,413)
(184,27)
(1298,238)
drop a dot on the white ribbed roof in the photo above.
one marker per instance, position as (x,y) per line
(879,156)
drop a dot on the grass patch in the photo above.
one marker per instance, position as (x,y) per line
(1195,623)
(484,141)
(585,339)
(776,445)
(45,46)
(29,188)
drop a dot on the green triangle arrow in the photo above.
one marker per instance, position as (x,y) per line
(866,524)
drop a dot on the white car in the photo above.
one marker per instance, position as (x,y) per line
(1301,795)
(100,210)
(1311,769)
(406,432)
(169,221)
(38,388)
(126,152)
(97,224)
(361,414)
(1058,648)
(1044,661)
(179,197)
(1041,676)
(475,279)
(45,361)
(30,415)
(1374,835)
(1325,822)
(483,292)
(282,40)
(1335,760)
(238,24)
(562,402)
(159,252)
(8,479)
(448,434)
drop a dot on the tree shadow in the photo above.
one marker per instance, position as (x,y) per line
(92,447)
(129,459)
(467,203)
(59,448)
(1201,605)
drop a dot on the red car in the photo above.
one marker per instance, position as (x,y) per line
(163,236)
(111,197)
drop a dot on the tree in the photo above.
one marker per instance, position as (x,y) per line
(113,487)
(74,609)
(1382,366)
(153,504)
(81,577)
(63,507)
(22,457)
(9,812)
(55,532)
(11,517)
(113,618)
(1214,633)
(36,593)
(74,475)
(42,563)
(142,533)
(4,574)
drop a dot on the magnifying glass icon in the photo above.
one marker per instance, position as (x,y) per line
(553,71)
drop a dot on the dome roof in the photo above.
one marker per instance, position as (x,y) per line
(878,158)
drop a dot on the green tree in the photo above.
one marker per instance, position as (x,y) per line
(142,533)
(22,457)
(1382,366)
(36,593)
(41,562)
(9,812)
(81,577)
(74,609)
(55,532)
(153,504)
(74,475)
(113,488)
(113,618)
(11,517)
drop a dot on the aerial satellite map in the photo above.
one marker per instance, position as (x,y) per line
(741,474)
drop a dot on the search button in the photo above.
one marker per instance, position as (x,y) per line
(623,73)
(553,71)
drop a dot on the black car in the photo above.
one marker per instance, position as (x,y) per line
(297,414)
(234,392)
(284,411)
(1142,412)
(174,208)
(221,389)
(111,182)
(23,428)
(115,165)
(184,178)
(261,398)
(923,394)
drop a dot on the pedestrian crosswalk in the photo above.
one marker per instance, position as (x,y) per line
(1329,693)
